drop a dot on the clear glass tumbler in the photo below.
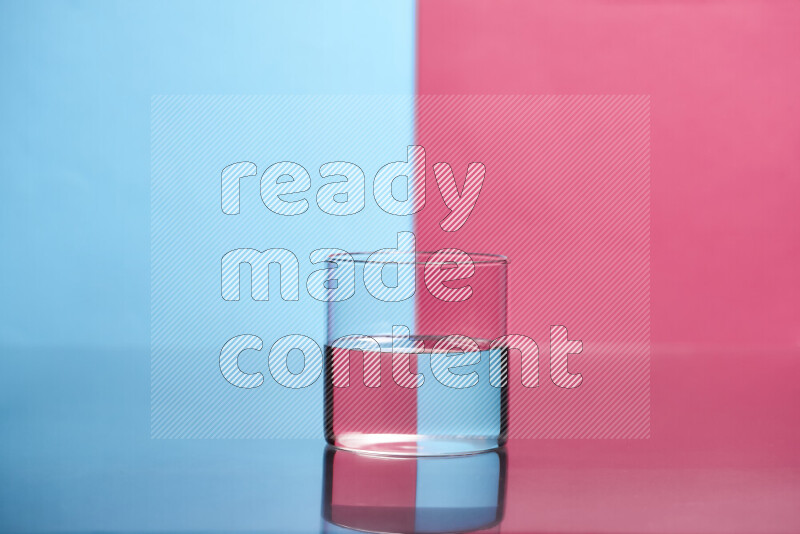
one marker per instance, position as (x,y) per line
(415,362)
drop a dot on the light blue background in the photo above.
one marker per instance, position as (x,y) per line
(75,452)
(75,152)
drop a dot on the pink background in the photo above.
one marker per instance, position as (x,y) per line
(725,244)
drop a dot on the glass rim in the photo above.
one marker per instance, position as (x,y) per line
(422,257)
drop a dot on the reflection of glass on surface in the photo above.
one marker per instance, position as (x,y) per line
(405,495)
(422,376)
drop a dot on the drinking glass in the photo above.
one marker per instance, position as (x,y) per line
(415,360)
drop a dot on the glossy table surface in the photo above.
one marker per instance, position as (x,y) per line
(77,457)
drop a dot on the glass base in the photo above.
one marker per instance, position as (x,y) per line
(414,445)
